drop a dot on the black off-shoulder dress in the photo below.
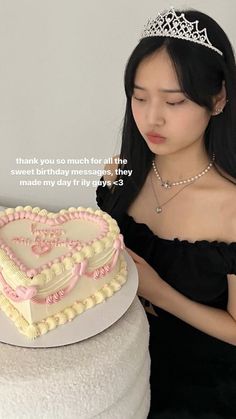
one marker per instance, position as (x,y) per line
(193,375)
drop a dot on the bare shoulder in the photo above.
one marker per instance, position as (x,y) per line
(110,169)
(231,195)
(227,196)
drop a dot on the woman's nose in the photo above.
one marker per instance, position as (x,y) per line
(155,115)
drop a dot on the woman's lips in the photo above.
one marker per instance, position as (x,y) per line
(155,138)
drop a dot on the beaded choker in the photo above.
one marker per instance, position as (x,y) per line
(166,184)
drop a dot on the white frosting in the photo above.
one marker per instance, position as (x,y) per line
(39,286)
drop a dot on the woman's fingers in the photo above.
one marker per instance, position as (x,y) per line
(134,255)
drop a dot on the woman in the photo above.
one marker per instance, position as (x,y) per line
(177,210)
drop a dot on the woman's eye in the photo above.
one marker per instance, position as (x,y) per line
(175,103)
(139,99)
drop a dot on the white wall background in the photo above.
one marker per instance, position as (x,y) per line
(61,85)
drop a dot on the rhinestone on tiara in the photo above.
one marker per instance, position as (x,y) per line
(169,24)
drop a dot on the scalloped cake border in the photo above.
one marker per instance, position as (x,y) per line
(34,330)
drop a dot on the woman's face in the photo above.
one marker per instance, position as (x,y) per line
(166,118)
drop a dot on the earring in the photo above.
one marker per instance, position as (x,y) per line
(218,111)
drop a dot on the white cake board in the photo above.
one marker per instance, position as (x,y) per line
(85,325)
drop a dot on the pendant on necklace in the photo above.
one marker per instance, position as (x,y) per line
(158,210)
(166,184)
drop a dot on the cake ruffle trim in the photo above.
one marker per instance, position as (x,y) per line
(34,330)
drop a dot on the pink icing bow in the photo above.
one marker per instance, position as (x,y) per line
(119,243)
(25,293)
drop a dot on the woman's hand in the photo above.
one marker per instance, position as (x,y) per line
(213,321)
(148,278)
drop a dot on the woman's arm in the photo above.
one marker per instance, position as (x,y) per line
(213,321)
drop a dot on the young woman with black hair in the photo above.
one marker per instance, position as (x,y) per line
(177,211)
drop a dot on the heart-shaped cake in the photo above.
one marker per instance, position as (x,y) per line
(53,266)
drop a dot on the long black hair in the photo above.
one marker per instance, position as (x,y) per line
(201,72)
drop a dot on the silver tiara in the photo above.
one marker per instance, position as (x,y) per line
(169,24)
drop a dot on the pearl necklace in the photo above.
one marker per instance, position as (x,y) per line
(166,184)
(160,206)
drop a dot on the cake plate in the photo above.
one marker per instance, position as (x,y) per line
(85,325)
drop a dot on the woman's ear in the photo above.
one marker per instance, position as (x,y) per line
(220,100)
